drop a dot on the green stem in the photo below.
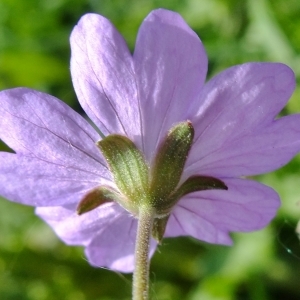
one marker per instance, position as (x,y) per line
(141,271)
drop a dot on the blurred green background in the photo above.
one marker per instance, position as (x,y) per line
(34,52)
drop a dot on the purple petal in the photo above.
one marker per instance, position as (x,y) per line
(171,65)
(258,152)
(57,160)
(108,233)
(210,215)
(42,127)
(103,77)
(79,230)
(38,182)
(236,134)
(114,246)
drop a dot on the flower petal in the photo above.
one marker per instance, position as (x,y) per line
(76,229)
(108,233)
(235,131)
(38,182)
(171,65)
(210,215)
(40,126)
(103,77)
(258,152)
(114,246)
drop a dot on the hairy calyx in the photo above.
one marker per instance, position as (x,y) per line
(141,186)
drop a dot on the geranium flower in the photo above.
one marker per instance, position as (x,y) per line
(142,96)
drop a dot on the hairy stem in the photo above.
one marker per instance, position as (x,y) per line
(141,271)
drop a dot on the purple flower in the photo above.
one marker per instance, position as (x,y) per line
(56,160)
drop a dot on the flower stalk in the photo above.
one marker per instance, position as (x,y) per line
(140,289)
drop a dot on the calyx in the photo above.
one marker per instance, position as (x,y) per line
(140,185)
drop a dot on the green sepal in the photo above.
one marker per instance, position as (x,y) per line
(192,184)
(101,195)
(127,166)
(159,191)
(169,161)
(159,228)
(198,183)
(95,198)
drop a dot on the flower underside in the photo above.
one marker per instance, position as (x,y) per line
(140,186)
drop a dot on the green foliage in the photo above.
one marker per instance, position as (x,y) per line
(34,52)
